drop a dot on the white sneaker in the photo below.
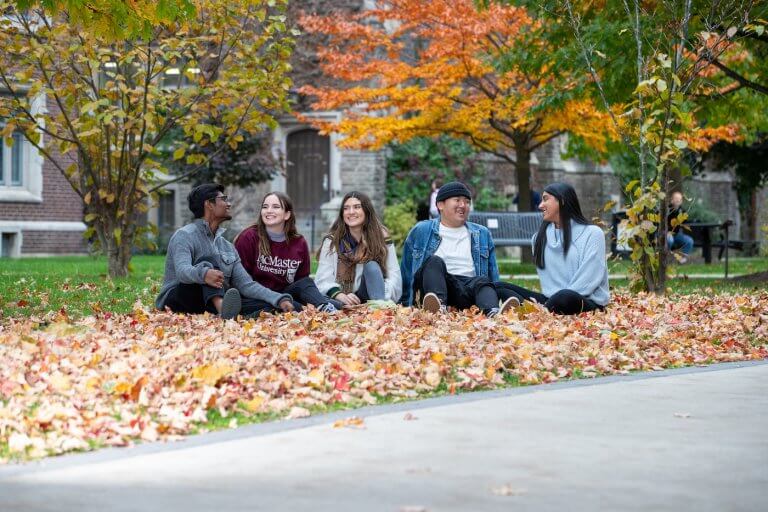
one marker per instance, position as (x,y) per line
(327,308)
(431,303)
(231,304)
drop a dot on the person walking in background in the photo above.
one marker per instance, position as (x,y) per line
(277,256)
(449,261)
(203,272)
(569,253)
(676,237)
(357,261)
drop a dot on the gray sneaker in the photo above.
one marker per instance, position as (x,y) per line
(431,303)
(231,304)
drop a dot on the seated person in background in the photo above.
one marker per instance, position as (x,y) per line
(676,237)
(202,269)
(357,262)
(570,257)
(277,256)
(451,262)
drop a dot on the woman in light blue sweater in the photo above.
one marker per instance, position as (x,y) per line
(569,253)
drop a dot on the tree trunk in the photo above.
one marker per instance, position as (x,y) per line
(118,260)
(662,250)
(118,252)
(523,168)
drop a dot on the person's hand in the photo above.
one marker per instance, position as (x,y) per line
(344,298)
(353,299)
(286,305)
(214,278)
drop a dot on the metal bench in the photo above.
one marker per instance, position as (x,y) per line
(509,229)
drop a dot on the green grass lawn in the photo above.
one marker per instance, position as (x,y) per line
(36,286)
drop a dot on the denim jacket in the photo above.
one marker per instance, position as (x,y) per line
(423,241)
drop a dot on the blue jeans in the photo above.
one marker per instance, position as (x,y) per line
(680,241)
(372,283)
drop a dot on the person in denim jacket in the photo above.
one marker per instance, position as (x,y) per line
(449,261)
(203,272)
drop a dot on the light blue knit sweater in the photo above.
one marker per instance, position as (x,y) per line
(584,269)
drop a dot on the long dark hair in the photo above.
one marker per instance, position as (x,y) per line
(570,209)
(374,239)
(290,224)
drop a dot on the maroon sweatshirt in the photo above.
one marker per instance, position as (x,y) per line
(288,262)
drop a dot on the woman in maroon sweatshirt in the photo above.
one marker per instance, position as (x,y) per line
(277,256)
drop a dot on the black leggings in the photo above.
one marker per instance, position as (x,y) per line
(305,291)
(196,299)
(564,302)
(459,291)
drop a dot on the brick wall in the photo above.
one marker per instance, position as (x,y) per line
(53,242)
(60,202)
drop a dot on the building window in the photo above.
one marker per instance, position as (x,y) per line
(21,165)
(12,162)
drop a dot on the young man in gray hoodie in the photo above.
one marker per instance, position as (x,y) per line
(203,270)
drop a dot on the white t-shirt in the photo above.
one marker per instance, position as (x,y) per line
(456,250)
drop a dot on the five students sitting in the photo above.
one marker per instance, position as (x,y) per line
(446,262)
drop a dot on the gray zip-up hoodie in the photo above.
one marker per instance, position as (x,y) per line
(193,249)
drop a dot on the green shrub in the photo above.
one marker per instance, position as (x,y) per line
(399,219)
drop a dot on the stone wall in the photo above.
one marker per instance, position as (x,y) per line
(365,171)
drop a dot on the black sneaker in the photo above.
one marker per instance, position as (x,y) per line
(431,303)
(231,304)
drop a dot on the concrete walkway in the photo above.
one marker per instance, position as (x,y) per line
(694,439)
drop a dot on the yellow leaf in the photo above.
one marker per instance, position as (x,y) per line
(60,382)
(316,378)
(254,404)
(438,357)
(351,422)
(210,374)
(92,384)
(352,366)
(122,388)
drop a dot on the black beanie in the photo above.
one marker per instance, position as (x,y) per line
(453,189)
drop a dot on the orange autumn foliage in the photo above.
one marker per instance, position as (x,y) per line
(414,68)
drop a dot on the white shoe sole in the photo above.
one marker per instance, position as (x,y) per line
(508,304)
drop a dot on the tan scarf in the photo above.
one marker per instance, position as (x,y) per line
(351,252)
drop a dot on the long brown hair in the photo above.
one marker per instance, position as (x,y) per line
(289,228)
(375,236)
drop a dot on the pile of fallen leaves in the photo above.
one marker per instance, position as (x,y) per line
(112,379)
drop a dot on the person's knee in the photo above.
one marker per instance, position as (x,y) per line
(434,262)
(372,268)
(565,302)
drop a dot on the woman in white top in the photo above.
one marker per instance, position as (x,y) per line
(357,260)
